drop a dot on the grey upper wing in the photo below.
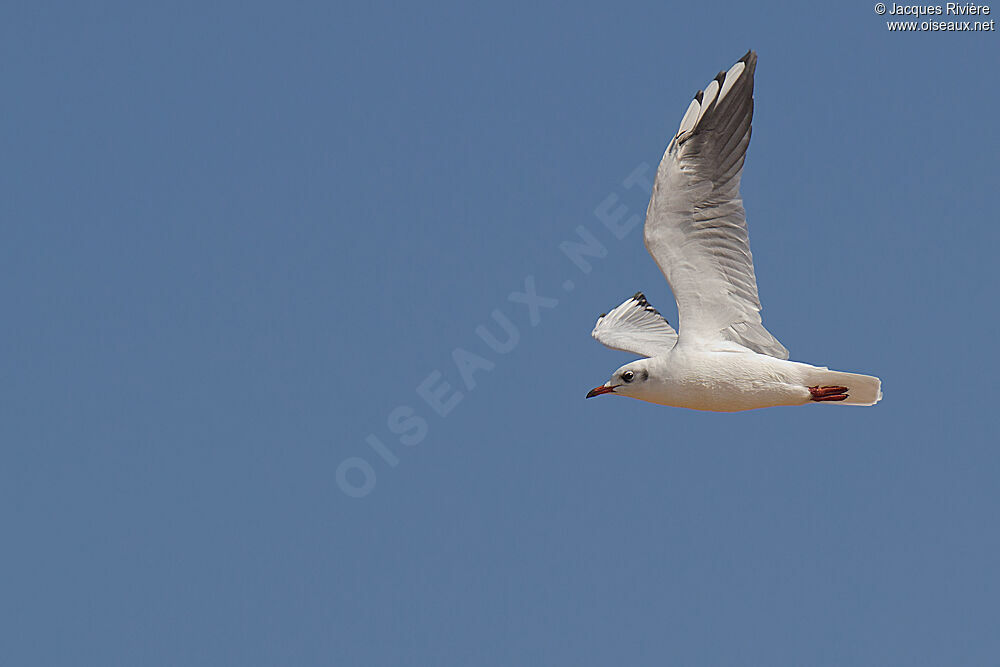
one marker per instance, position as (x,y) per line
(695,225)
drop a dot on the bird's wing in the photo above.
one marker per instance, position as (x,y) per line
(696,228)
(636,327)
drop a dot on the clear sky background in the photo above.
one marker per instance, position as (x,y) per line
(237,237)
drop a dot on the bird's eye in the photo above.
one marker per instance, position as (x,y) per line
(628,376)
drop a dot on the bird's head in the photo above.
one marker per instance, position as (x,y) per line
(629,380)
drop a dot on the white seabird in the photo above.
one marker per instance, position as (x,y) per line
(723,359)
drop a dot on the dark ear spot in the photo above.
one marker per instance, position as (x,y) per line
(645,374)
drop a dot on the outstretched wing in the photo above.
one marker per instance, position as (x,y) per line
(636,327)
(696,228)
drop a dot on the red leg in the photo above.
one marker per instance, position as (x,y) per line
(828,393)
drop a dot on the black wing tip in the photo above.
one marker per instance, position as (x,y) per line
(749,60)
(641,301)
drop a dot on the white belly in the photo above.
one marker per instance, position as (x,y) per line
(728,382)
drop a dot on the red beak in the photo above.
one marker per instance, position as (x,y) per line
(603,389)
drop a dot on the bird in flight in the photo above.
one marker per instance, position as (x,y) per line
(723,359)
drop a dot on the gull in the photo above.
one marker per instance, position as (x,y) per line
(723,359)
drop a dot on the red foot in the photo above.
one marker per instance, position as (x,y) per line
(828,393)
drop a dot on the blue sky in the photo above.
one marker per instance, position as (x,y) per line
(239,237)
